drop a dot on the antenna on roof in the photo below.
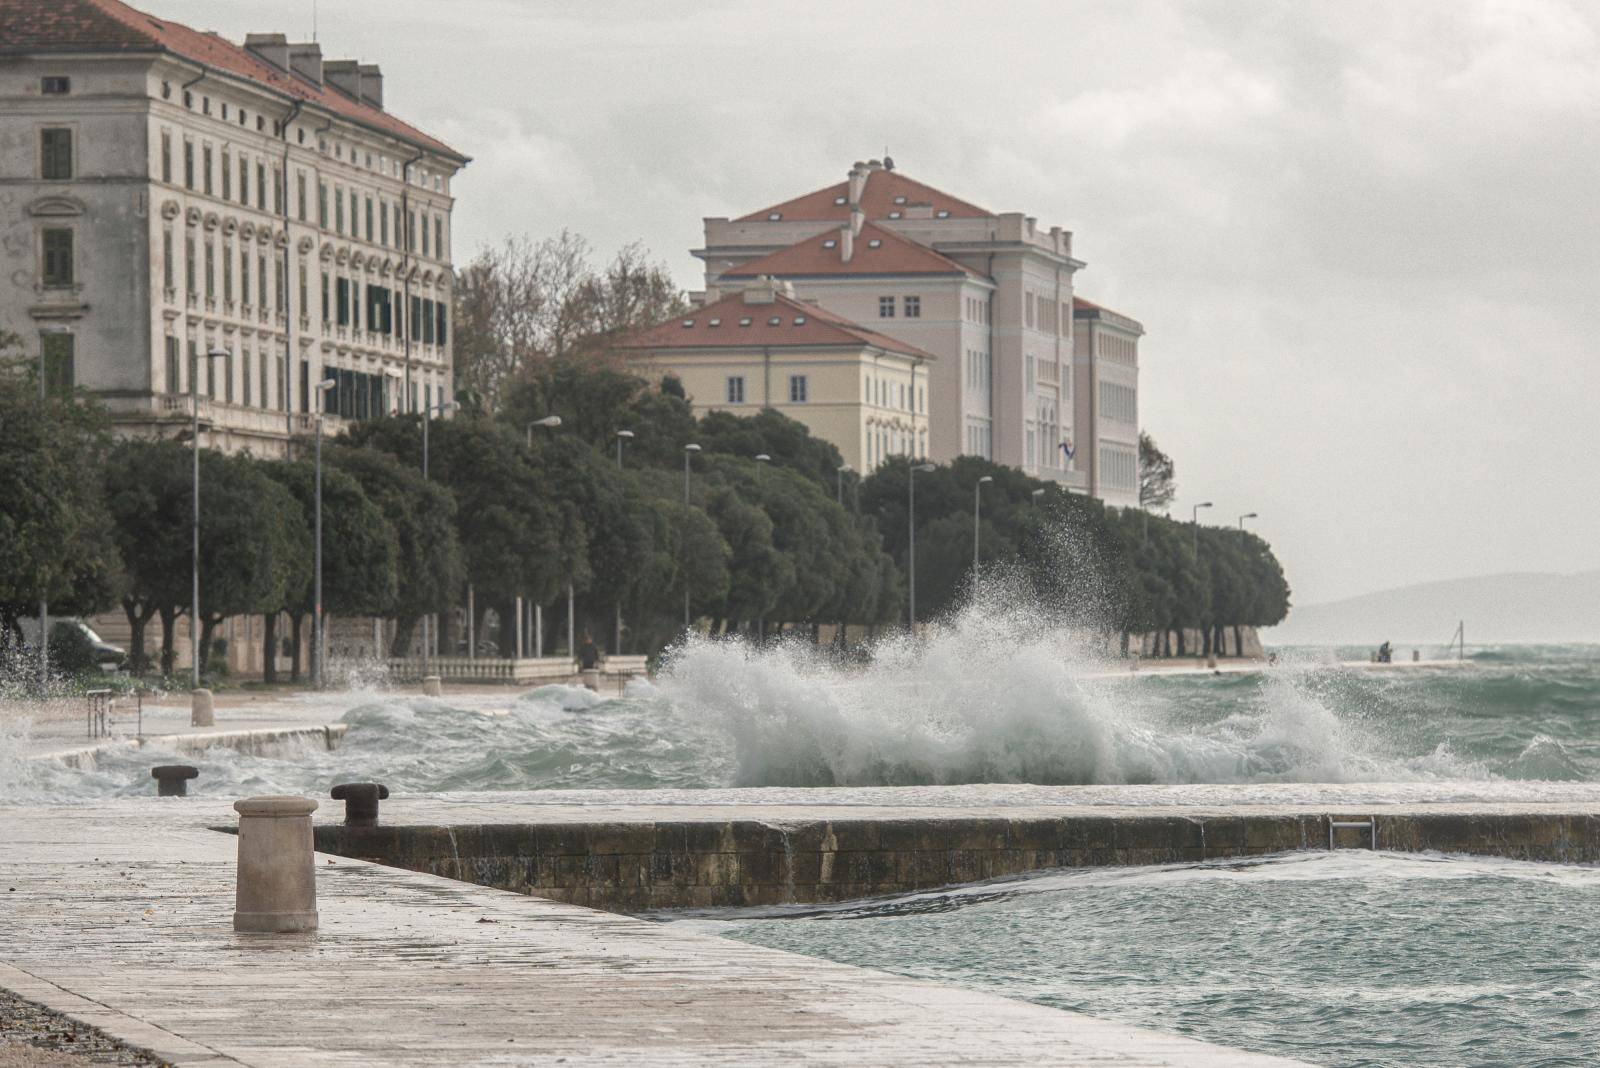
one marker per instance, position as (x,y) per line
(313,20)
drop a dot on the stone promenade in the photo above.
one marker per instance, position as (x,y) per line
(119,914)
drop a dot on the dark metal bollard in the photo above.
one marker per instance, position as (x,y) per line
(360,802)
(172,780)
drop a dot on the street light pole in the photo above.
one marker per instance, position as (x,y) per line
(549,422)
(194,589)
(622,435)
(911,542)
(688,451)
(319,643)
(427,617)
(977,504)
(1247,515)
(762,459)
(1195,522)
(44,602)
(839,491)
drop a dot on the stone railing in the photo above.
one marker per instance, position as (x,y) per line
(523,670)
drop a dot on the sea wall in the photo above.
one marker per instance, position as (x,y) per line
(701,863)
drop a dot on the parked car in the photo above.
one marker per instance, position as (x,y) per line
(107,657)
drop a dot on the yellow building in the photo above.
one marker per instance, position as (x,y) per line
(759,348)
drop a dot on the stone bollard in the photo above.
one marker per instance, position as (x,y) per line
(1211,662)
(432,686)
(201,709)
(277,887)
(360,802)
(591,679)
(1416,656)
(172,780)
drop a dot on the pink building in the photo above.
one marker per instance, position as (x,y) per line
(990,295)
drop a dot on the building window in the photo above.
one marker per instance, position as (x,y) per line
(57,246)
(227,382)
(227,175)
(211,271)
(166,157)
(355,214)
(383,222)
(261,188)
(244,181)
(266,398)
(886,307)
(188,165)
(174,363)
(246,381)
(305,301)
(326,288)
(168,272)
(438,237)
(59,353)
(735,389)
(322,204)
(188,266)
(338,210)
(261,283)
(797,389)
(369,218)
(244,276)
(51,85)
(425,233)
(300,193)
(913,307)
(227,272)
(205,168)
(55,154)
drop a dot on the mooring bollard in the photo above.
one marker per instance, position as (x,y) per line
(360,802)
(277,888)
(172,780)
(432,686)
(201,711)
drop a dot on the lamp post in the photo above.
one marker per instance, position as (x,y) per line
(977,505)
(1195,522)
(688,452)
(839,491)
(549,422)
(54,330)
(194,589)
(1247,515)
(622,435)
(319,641)
(427,417)
(762,459)
(1036,494)
(911,541)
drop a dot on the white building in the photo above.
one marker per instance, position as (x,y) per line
(990,295)
(171,194)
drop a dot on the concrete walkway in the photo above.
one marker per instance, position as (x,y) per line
(120,914)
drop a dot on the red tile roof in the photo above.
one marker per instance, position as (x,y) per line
(1090,309)
(878,199)
(720,325)
(111,26)
(875,251)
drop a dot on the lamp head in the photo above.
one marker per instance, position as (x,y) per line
(846,467)
(985,478)
(216,354)
(1249,515)
(691,447)
(924,467)
(762,457)
(1038,492)
(327,384)
(624,433)
(1207,504)
(548,421)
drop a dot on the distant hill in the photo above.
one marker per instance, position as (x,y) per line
(1518,607)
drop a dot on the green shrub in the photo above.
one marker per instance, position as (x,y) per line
(71,651)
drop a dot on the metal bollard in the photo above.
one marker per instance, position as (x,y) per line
(201,709)
(360,802)
(432,686)
(277,880)
(172,780)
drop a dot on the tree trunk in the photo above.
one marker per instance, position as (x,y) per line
(269,648)
(295,621)
(1205,640)
(169,639)
(1238,640)
(400,648)
(1181,650)
(138,615)
(208,628)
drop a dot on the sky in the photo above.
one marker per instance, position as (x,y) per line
(1362,237)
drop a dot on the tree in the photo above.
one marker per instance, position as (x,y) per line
(422,515)
(1157,483)
(148,487)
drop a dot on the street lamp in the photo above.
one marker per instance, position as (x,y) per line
(427,417)
(1247,515)
(977,504)
(1195,522)
(688,452)
(911,541)
(622,435)
(549,422)
(839,492)
(319,642)
(53,330)
(194,589)
(1036,494)
(762,459)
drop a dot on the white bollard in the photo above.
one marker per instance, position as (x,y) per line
(432,686)
(277,887)
(201,709)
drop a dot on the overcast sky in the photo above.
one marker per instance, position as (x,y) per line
(1362,237)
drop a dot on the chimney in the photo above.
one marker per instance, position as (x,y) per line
(306,60)
(847,242)
(858,182)
(272,47)
(761,291)
(857,218)
(371,85)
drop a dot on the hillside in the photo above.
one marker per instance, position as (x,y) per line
(1517,607)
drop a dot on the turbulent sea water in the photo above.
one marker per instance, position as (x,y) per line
(966,708)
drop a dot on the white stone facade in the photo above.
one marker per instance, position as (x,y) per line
(213,204)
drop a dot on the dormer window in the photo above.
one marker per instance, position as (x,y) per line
(713,322)
(745,320)
(774,216)
(840,200)
(899,200)
(830,243)
(942,213)
(799,320)
(55,86)
(776,320)
(875,243)
(687,323)
(894,215)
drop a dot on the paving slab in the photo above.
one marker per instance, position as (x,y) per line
(119,913)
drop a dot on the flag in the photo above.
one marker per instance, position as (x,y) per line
(1066,449)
